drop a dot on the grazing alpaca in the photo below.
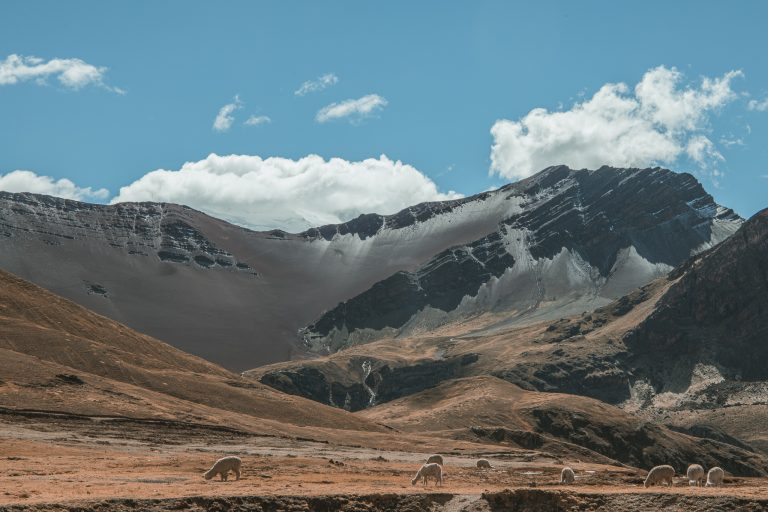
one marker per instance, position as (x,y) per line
(428,471)
(567,476)
(715,477)
(695,475)
(223,466)
(660,474)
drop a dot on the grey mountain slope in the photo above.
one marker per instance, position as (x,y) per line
(230,295)
(239,297)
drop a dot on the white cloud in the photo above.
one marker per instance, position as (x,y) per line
(224,118)
(288,194)
(28,181)
(322,82)
(71,73)
(731,141)
(257,120)
(353,109)
(760,106)
(657,123)
(701,150)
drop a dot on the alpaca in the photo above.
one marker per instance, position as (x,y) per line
(223,466)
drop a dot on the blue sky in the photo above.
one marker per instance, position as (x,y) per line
(441,74)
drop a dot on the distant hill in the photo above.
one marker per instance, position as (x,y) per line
(56,356)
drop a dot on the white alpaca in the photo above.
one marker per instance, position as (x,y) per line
(715,477)
(223,466)
(567,476)
(435,459)
(660,474)
(427,471)
(484,464)
(695,475)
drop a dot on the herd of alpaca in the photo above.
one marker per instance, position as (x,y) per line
(433,469)
(695,476)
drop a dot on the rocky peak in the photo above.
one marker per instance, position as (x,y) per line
(158,230)
(580,237)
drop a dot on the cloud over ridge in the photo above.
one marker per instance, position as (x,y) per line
(28,181)
(657,122)
(266,193)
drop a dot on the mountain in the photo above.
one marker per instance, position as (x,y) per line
(567,241)
(686,351)
(560,242)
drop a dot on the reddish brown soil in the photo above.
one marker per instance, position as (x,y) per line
(42,465)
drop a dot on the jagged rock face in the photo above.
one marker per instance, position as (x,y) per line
(577,240)
(663,215)
(142,229)
(715,316)
(441,283)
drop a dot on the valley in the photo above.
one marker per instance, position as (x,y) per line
(541,325)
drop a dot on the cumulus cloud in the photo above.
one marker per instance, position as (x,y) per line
(322,82)
(760,106)
(225,117)
(28,181)
(658,122)
(288,194)
(354,109)
(71,73)
(257,120)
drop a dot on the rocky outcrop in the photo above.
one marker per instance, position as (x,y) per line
(378,381)
(141,229)
(440,284)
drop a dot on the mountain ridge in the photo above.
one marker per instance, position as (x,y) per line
(239,297)
(564,216)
